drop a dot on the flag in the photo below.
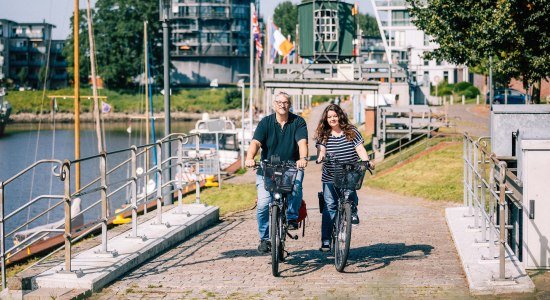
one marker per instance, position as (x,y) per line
(281,44)
(105,107)
(257,36)
(272,50)
(355,9)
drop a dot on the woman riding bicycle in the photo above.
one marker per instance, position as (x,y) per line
(337,138)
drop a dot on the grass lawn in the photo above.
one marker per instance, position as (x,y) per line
(435,176)
(190,100)
(233,197)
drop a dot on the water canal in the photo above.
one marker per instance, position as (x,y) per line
(22,144)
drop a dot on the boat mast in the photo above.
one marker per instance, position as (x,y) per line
(147,141)
(97,113)
(76,27)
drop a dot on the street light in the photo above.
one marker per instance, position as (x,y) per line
(164,16)
(240,84)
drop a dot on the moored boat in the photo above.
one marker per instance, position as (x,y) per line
(5,111)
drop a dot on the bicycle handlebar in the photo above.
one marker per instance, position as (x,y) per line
(333,160)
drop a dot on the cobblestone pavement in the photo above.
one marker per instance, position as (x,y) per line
(470,118)
(401,249)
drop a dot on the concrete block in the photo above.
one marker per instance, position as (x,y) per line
(94,270)
(482,275)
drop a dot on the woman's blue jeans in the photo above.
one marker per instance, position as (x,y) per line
(265,198)
(331,205)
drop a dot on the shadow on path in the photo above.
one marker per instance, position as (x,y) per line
(360,260)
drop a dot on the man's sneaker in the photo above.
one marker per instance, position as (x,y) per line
(354,218)
(292,225)
(264,246)
(325,246)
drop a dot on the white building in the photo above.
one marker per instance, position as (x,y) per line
(411,44)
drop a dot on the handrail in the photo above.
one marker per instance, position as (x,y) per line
(107,191)
(36,163)
(489,189)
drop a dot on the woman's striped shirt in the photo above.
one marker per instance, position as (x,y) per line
(342,150)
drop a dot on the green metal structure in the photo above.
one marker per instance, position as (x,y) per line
(327,29)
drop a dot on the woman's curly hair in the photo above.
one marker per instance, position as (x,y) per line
(323,129)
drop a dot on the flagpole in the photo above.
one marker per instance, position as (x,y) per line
(250,77)
(267,57)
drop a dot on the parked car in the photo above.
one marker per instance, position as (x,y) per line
(508,96)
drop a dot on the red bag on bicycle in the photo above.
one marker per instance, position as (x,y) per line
(302,214)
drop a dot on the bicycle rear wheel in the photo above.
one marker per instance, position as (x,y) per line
(276,246)
(342,236)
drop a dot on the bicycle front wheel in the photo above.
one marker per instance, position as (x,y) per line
(276,245)
(342,236)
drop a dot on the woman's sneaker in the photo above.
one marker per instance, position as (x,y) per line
(354,218)
(325,246)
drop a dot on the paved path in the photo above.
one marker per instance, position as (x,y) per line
(402,248)
(470,118)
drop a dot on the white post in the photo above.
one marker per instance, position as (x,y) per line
(477,99)
(251,78)
(243,141)
(463,99)
(452,99)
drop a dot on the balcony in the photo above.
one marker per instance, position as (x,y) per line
(214,15)
(387,3)
(18,63)
(19,48)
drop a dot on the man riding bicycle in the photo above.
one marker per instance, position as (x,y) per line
(282,134)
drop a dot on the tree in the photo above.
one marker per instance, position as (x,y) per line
(368,25)
(119,39)
(513,32)
(285,16)
(22,75)
(83,50)
(118,35)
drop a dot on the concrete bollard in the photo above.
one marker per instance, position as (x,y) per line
(463,99)
(451,99)
(477,99)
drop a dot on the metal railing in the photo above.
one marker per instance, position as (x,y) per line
(493,195)
(105,189)
(358,72)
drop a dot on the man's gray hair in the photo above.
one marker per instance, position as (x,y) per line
(287,96)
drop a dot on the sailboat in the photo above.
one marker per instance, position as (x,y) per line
(5,111)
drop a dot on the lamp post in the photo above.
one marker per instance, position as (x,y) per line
(240,84)
(164,18)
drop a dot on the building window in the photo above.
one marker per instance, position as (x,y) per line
(399,39)
(325,25)
(426,62)
(400,18)
(446,76)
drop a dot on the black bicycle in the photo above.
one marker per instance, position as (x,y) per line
(279,177)
(348,177)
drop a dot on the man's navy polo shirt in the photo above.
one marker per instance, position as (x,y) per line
(281,141)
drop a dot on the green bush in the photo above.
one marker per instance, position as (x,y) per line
(462,86)
(471,92)
(233,99)
(443,89)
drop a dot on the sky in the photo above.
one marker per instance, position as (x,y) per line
(58,12)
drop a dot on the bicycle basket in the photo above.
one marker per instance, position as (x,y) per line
(279,178)
(349,176)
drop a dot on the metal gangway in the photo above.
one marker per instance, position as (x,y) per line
(107,186)
(348,72)
(493,195)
